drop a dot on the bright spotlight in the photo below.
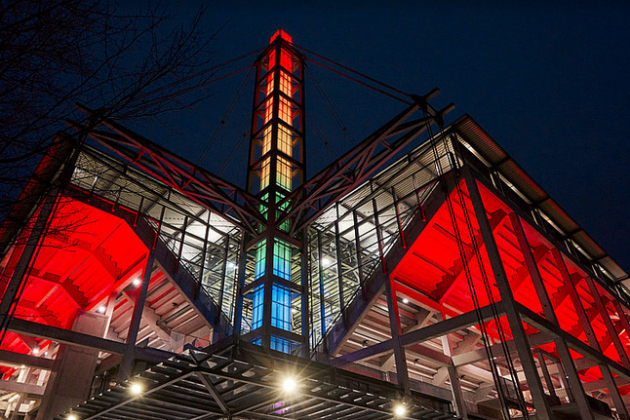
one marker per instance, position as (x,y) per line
(400,410)
(136,283)
(289,385)
(326,261)
(72,417)
(35,351)
(135,389)
(405,301)
(101,309)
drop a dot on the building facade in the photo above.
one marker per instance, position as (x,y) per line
(441,284)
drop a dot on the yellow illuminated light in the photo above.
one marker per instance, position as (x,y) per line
(284,141)
(400,410)
(72,417)
(289,385)
(135,389)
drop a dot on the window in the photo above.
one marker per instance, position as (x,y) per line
(281,307)
(282,259)
(260,259)
(258,298)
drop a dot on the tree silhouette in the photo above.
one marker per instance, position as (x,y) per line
(55,53)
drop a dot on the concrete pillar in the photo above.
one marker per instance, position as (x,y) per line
(71,378)
(456,388)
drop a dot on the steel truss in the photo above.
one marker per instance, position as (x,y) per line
(196,183)
(358,164)
(550,330)
(303,205)
(235,379)
(365,224)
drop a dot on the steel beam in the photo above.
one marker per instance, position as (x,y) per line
(572,377)
(214,393)
(429,332)
(543,367)
(24,262)
(479,355)
(199,185)
(22,388)
(128,355)
(612,331)
(453,377)
(9,358)
(590,334)
(74,338)
(543,410)
(396,329)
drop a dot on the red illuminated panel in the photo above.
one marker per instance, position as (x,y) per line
(86,255)
(432,271)
(282,34)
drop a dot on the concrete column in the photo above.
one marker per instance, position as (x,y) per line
(71,378)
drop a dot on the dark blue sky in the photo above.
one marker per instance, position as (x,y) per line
(550,83)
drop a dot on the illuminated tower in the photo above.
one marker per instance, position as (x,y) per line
(272,305)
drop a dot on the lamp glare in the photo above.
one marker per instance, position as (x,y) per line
(72,417)
(289,385)
(400,410)
(136,389)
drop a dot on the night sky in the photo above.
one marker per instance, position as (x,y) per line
(549,83)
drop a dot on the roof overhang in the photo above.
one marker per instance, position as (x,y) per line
(235,379)
(500,160)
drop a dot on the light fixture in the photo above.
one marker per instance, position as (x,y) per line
(36,351)
(135,388)
(101,309)
(289,385)
(405,301)
(326,261)
(72,417)
(400,410)
(136,282)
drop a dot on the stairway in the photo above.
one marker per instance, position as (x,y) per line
(374,286)
(170,265)
(184,280)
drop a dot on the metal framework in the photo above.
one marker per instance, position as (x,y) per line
(447,280)
(239,381)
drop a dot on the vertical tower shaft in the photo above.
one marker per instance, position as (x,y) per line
(272,302)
